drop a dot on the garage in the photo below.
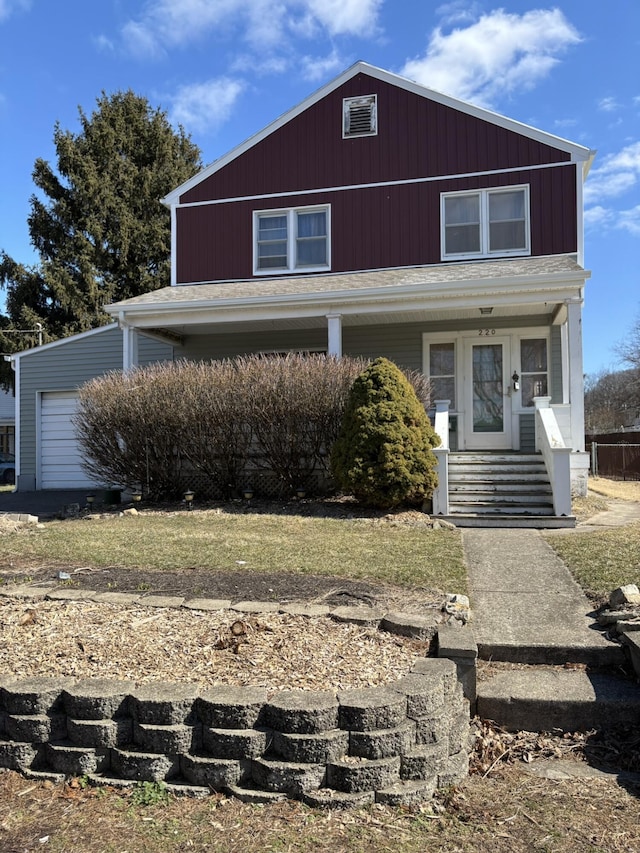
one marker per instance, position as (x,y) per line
(60,458)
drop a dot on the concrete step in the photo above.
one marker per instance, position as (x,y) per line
(498,495)
(501,508)
(541,699)
(507,520)
(503,486)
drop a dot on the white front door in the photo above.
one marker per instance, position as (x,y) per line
(488,394)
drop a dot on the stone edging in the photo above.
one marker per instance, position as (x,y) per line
(394,744)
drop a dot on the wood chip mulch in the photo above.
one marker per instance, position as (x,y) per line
(275,651)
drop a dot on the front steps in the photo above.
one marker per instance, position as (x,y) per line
(501,490)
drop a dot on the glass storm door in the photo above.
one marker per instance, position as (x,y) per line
(488,395)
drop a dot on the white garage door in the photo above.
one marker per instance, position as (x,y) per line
(59,453)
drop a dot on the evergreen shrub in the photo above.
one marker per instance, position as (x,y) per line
(384,452)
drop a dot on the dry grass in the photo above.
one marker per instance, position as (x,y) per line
(605,559)
(375,549)
(626,490)
(508,811)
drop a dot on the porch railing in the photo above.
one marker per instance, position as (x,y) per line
(441,427)
(556,455)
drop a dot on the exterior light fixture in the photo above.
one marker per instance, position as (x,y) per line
(300,492)
(247,493)
(90,501)
(188,499)
(136,496)
(486,311)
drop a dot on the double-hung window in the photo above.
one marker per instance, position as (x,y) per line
(292,240)
(486,223)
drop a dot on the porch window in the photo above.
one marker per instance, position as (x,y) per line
(442,372)
(534,379)
(291,240)
(485,223)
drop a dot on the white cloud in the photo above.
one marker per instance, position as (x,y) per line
(8,7)
(608,105)
(598,216)
(498,54)
(629,220)
(338,17)
(205,106)
(264,24)
(618,173)
(318,68)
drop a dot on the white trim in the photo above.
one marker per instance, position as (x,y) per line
(334,335)
(291,215)
(174,243)
(17,421)
(62,341)
(376,185)
(483,194)
(462,341)
(577,152)
(580,217)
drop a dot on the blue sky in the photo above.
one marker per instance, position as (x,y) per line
(225,68)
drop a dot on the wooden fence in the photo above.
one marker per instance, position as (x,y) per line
(619,460)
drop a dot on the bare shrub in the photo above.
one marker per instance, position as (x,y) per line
(294,406)
(126,425)
(155,426)
(215,435)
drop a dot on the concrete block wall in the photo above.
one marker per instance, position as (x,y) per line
(393,744)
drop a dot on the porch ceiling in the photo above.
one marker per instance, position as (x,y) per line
(541,314)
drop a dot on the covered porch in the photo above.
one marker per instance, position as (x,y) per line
(500,341)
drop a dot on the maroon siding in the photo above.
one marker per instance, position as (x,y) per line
(373,227)
(416,138)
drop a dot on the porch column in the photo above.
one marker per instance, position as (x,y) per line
(576,383)
(334,343)
(129,347)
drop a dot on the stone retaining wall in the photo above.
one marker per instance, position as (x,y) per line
(393,744)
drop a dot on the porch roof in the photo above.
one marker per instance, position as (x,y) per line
(511,283)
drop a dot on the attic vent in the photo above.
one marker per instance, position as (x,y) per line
(360,116)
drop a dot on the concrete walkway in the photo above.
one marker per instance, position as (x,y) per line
(526,605)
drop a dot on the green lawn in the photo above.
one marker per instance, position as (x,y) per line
(405,555)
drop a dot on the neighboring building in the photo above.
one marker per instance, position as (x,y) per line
(7,422)
(381,218)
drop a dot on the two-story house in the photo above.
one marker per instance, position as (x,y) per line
(379,217)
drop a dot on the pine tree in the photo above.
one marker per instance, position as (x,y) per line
(97,223)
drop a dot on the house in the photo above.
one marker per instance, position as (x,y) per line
(379,217)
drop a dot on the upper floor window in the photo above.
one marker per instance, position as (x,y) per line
(360,116)
(485,223)
(291,240)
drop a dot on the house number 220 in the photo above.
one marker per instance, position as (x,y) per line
(486,333)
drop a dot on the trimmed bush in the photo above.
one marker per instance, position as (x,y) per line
(383,455)
(211,425)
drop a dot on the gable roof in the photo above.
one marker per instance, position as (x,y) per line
(578,153)
(61,342)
